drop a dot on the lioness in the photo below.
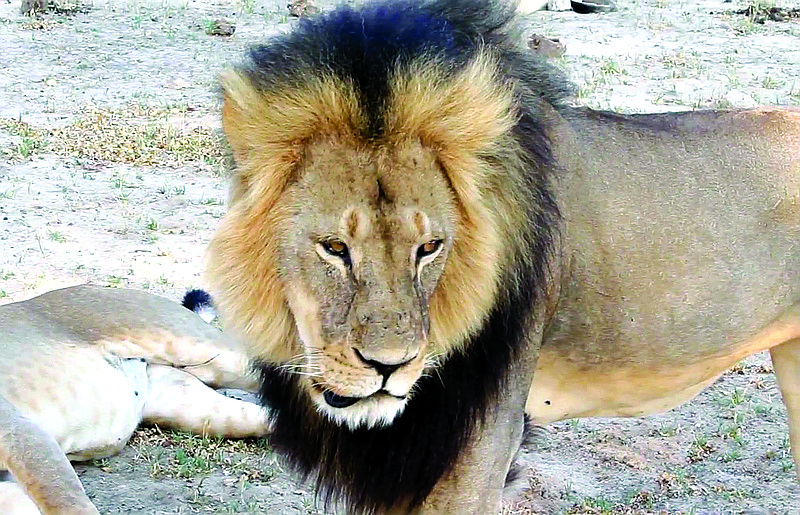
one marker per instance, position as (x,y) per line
(418,214)
(81,367)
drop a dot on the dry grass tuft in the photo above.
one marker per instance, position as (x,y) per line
(38,24)
(27,139)
(173,454)
(138,135)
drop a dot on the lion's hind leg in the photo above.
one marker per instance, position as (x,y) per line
(786,361)
(179,400)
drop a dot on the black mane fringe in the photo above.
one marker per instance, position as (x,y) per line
(371,470)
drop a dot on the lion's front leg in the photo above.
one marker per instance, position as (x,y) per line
(476,482)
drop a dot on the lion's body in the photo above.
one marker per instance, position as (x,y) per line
(679,257)
(417,215)
(83,366)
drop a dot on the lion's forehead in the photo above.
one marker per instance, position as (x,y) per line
(395,191)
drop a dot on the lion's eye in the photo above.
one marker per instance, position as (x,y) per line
(338,249)
(427,249)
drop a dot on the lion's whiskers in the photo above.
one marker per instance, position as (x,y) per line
(433,359)
(302,369)
(304,364)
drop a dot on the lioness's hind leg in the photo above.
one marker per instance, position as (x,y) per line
(179,400)
(37,462)
(14,501)
(786,361)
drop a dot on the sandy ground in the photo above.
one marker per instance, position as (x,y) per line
(111,172)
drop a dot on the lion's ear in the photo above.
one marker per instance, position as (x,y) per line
(266,146)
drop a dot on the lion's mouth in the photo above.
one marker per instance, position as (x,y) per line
(339,401)
(377,409)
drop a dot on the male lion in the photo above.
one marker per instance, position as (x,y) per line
(418,215)
(81,367)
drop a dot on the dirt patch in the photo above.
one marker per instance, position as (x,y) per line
(112,171)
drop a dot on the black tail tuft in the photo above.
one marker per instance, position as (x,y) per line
(200,302)
(197,300)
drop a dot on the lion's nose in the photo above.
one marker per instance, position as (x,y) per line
(383,368)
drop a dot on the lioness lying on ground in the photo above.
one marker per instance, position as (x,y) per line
(81,367)
(425,241)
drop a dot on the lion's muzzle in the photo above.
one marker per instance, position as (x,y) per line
(385,370)
(356,389)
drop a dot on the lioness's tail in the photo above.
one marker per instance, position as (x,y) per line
(200,302)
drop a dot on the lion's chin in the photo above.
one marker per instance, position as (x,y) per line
(379,409)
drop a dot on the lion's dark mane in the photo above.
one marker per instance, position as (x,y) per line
(374,469)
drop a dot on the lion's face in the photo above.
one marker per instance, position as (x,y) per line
(365,245)
(353,260)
